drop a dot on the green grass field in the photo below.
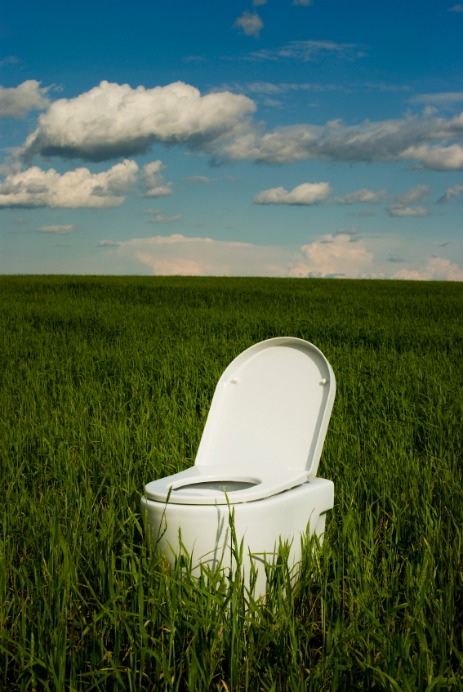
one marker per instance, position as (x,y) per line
(105,385)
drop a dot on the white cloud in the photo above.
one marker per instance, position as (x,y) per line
(415,194)
(456,8)
(256,3)
(304,194)
(113,120)
(363,196)
(302,3)
(401,207)
(250,23)
(454,191)
(35,187)
(18,101)
(334,255)
(178,254)
(445,158)
(285,145)
(409,139)
(455,125)
(436,269)
(403,211)
(154,183)
(58,230)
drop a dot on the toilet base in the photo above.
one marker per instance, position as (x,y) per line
(204,531)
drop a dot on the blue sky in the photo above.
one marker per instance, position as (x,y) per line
(279,138)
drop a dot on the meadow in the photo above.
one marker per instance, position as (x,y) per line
(105,384)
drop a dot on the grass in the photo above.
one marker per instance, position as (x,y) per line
(105,384)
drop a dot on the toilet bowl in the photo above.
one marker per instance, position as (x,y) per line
(254,480)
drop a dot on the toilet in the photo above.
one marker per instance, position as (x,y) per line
(256,465)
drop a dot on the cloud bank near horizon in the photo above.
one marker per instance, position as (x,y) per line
(332,256)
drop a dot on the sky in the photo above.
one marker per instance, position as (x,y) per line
(298,138)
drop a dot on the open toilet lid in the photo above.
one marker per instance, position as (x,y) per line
(270,410)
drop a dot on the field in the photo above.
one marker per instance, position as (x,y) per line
(105,385)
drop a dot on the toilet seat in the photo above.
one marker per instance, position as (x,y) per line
(265,429)
(200,486)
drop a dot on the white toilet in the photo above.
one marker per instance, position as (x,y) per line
(257,460)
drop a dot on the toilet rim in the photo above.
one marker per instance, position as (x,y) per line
(187,488)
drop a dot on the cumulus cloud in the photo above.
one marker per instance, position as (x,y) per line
(334,255)
(445,158)
(436,269)
(250,23)
(18,101)
(409,139)
(178,254)
(401,206)
(304,194)
(35,187)
(454,191)
(63,229)
(154,183)
(455,125)
(362,196)
(113,120)
(280,146)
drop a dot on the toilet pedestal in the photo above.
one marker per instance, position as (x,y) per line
(206,536)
